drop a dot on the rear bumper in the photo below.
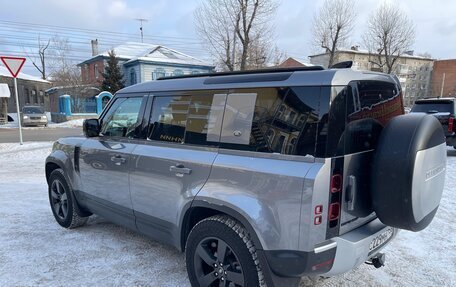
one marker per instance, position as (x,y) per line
(335,256)
(353,248)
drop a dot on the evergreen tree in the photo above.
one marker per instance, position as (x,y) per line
(112,81)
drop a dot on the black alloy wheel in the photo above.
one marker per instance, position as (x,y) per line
(59,199)
(219,252)
(216,264)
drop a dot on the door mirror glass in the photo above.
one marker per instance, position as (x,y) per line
(91,128)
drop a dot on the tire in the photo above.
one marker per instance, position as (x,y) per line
(240,264)
(408,171)
(61,198)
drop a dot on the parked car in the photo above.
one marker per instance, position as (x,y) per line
(33,116)
(443,109)
(259,177)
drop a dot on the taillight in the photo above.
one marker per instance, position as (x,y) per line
(336,183)
(334,211)
(450,124)
(335,196)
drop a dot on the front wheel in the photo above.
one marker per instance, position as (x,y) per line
(62,202)
(219,252)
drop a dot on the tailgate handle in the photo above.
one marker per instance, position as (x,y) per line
(352,189)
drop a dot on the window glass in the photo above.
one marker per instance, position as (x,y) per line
(204,119)
(285,120)
(178,72)
(159,73)
(123,118)
(358,113)
(168,118)
(132,76)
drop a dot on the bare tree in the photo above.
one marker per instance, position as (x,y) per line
(41,66)
(333,25)
(64,71)
(389,34)
(229,27)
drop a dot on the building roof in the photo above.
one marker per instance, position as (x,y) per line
(132,51)
(366,52)
(5,73)
(293,62)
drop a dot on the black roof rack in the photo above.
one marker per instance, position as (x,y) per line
(248,72)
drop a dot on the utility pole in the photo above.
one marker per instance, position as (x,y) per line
(141,20)
(443,84)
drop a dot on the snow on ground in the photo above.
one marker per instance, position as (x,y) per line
(69,124)
(35,250)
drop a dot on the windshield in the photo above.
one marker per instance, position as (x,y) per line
(433,107)
(32,110)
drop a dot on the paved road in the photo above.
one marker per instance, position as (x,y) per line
(37,134)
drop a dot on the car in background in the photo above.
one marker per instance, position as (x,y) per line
(33,116)
(443,109)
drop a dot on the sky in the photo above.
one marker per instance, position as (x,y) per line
(171,23)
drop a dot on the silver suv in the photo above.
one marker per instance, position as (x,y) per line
(259,177)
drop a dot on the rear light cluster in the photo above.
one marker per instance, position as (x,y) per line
(334,199)
(451,124)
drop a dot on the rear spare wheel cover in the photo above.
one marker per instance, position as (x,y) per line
(408,171)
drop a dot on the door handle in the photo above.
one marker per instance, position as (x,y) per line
(179,168)
(351,193)
(118,159)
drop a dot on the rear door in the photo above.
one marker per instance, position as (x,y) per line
(358,114)
(175,160)
(104,161)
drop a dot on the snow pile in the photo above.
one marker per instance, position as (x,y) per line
(69,124)
(35,250)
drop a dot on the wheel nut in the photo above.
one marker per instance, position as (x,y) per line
(216,274)
(222,279)
(225,272)
(215,265)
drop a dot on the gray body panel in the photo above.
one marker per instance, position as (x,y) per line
(160,194)
(102,177)
(266,190)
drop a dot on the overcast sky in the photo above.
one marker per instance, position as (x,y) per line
(171,23)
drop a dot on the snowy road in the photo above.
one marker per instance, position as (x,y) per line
(34,250)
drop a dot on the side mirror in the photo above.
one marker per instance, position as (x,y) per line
(91,128)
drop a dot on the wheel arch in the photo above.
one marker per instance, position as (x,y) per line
(198,210)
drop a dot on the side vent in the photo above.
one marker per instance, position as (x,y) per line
(77,151)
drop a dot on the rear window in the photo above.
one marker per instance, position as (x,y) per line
(358,113)
(433,107)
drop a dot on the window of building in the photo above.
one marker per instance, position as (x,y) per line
(178,72)
(195,72)
(158,73)
(123,118)
(132,76)
(96,72)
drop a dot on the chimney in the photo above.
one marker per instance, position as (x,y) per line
(94,47)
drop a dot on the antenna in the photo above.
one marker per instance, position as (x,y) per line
(141,20)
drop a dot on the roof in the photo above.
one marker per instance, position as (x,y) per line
(436,99)
(366,52)
(132,51)
(299,77)
(5,73)
(293,62)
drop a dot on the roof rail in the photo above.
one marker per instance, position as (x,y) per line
(248,72)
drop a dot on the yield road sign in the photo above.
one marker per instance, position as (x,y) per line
(13,64)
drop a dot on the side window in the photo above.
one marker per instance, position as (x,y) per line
(204,119)
(168,118)
(122,118)
(280,120)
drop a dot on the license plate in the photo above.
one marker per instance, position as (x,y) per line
(381,239)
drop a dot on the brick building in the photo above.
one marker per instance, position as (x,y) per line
(441,68)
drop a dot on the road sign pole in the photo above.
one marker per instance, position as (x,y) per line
(18,111)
